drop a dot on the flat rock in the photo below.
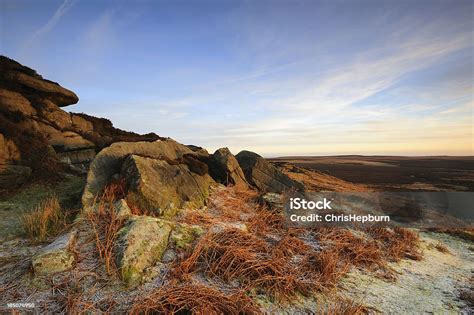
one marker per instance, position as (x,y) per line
(43,88)
(140,244)
(66,141)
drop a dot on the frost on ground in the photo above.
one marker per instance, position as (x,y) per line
(433,284)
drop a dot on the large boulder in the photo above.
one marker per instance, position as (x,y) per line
(225,168)
(109,162)
(163,186)
(263,175)
(140,244)
(56,257)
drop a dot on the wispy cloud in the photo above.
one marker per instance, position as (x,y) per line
(307,88)
(48,26)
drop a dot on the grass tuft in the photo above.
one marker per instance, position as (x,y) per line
(46,220)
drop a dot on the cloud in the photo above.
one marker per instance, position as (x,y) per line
(48,27)
(348,98)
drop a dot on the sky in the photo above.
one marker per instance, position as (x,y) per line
(275,77)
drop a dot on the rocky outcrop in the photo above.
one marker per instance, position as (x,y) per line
(30,84)
(109,162)
(163,187)
(263,175)
(15,102)
(56,257)
(225,169)
(140,244)
(47,136)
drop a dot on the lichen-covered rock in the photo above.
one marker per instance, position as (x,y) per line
(122,209)
(140,244)
(263,175)
(55,257)
(225,168)
(163,187)
(183,235)
(109,161)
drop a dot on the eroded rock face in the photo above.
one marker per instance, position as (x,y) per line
(81,123)
(225,168)
(140,244)
(9,152)
(55,115)
(15,102)
(31,117)
(264,176)
(109,162)
(56,257)
(163,187)
(39,87)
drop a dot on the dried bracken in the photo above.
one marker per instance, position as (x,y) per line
(281,270)
(105,224)
(344,306)
(264,221)
(195,299)
(442,248)
(396,243)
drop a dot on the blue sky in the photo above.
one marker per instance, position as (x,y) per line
(275,77)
